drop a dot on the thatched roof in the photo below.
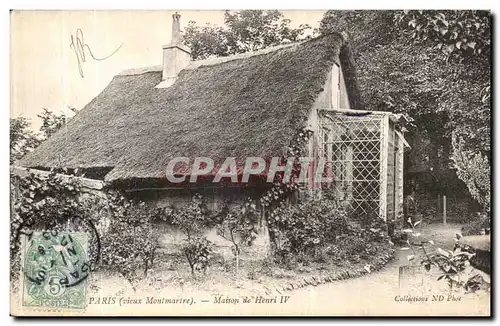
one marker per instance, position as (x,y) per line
(237,107)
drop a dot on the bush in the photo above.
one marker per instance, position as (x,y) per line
(357,246)
(305,226)
(346,247)
(477,225)
(128,250)
(198,251)
(363,219)
(319,231)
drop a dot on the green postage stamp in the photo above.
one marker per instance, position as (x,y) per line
(55,269)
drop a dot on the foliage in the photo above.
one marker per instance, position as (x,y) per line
(198,251)
(452,265)
(367,219)
(53,202)
(51,122)
(244,30)
(456,33)
(22,139)
(462,38)
(275,197)
(41,203)
(192,220)
(400,74)
(474,169)
(302,227)
(433,66)
(478,225)
(238,225)
(281,190)
(317,230)
(355,248)
(130,242)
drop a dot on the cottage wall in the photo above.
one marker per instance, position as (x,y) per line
(334,95)
(172,237)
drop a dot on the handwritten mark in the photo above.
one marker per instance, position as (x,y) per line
(79,46)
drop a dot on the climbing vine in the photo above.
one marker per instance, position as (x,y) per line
(281,190)
(121,237)
(275,197)
(42,203)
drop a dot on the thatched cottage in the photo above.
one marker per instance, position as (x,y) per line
(238,106)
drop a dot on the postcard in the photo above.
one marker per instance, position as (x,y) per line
(250,163)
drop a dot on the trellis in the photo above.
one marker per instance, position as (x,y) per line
(363,155)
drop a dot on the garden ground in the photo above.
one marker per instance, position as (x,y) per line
(371,294)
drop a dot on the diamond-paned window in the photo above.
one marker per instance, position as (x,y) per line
(360,154)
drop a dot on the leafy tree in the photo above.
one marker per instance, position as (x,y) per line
(463,39)
(402,74)
(458,34)
(244,30)
(51,122)
(22,139)
(405,64)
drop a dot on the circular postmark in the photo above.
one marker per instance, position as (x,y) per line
(55,267)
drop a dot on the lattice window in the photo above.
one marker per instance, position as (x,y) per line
(364,159)
(351,147)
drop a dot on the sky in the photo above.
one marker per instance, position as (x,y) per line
(44,68)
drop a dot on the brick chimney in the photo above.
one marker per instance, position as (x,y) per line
(176,56)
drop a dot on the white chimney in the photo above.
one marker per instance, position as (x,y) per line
(176,56)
